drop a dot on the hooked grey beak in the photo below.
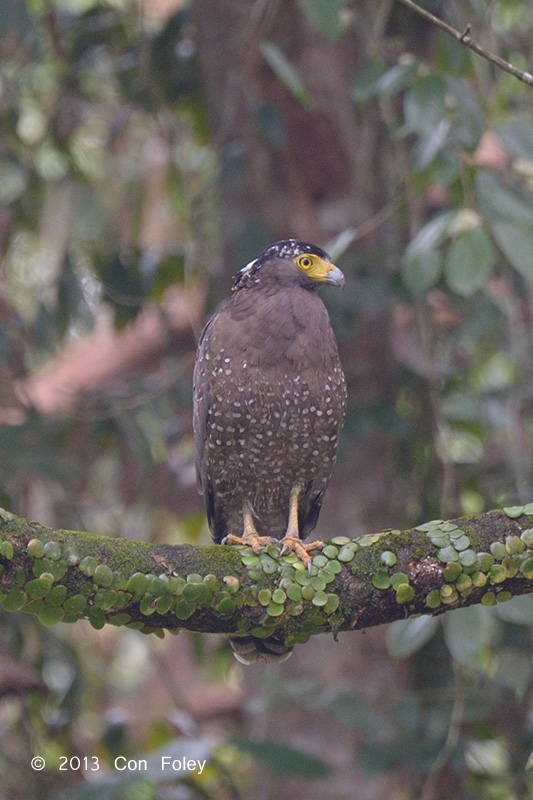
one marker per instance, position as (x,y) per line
(335,277)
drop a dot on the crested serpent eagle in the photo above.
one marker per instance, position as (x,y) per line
(269,402)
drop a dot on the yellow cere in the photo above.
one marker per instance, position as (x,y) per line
(314,266)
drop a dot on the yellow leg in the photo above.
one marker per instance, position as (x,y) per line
(250,535)
(291,542)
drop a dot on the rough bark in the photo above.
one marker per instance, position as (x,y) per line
(64,576)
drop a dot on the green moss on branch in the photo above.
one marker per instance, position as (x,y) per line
(65,576)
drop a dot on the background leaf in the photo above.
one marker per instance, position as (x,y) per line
(424,104)
(499,203)
(467,633)
(517,136)
(283,759)
(326,16)
(407,636)
(469,261)
(519,610)
(285,71)
(367,78)
(421,262)
(516,243)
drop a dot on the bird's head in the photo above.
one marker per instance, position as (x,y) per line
(291,261)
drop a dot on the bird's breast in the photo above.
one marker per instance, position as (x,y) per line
(287,332)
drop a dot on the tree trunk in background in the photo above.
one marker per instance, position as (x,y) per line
(312,171)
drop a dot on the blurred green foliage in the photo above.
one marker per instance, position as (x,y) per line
(109,197)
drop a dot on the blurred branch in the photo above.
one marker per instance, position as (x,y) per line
(464,38)
(354,584)
(338,246)
(51,25)
(84,365)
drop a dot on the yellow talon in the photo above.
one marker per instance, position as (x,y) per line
(250,536)
(291,542)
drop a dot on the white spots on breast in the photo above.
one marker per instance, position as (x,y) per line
(261,437)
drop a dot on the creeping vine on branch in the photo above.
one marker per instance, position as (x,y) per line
(440,565)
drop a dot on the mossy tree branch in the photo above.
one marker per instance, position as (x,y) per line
(65,576)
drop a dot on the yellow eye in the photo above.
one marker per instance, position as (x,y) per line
(305,262)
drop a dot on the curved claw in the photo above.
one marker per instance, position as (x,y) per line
(251,539)
(295,545)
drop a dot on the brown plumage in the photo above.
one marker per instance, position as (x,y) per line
(269,400)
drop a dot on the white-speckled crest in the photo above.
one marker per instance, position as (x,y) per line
(286,248)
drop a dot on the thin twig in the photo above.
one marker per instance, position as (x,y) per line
(351,235)
(464,38)
(51,23)
(262,15)
(452,738)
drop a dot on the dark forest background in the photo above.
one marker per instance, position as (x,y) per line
(148,150)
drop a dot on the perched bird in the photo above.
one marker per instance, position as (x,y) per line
(269,402)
